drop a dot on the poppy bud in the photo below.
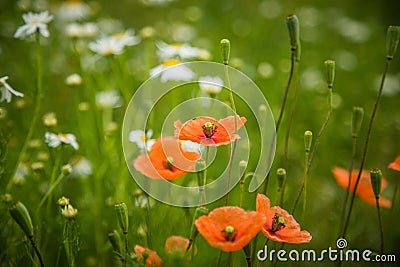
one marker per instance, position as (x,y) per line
(392,40)
(225,50)
(242,169)
(330,71)
(292,23)
(307,140)
(356,120)
(200,167)
(376,181)
(7,198)
(281,175)
(21,216)
(115,241)
(122,214)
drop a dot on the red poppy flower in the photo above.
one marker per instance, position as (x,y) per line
(152,259)
(177,245)
(209,132)
(364,188)
(166,160)
(395,165)
(279,225)
(229,228)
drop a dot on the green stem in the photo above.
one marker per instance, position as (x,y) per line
(306,159)
(126,248)
(148,221)
(234,142)
(36,112)
(364,155)
(219,258)
(380,223)
(37,252)
(51,189)
(346,199)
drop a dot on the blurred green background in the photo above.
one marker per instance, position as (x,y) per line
(350,32)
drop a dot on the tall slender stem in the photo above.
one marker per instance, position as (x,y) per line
(37,252)
(36,112)
(234,142)
(364,155)
(380,224)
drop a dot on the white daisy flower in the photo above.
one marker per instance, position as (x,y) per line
(190,146)
(211,85)
(76,30)
(183,51)
(107,46)
(34,22)
(7,91)
(55,140)
(172,70)
(81,166)
(127,38)
(73,10)
(108,99)
(141,139)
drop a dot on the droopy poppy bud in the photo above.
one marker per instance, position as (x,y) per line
(376,181)
(21,216)
(330,71)
(122,214)
(200,211)
(392,40)
(225,50)
(356,120)
(281,175)
(307,140)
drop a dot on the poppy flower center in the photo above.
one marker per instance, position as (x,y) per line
(278,223)
(168,163)
(229,233)
(209,129)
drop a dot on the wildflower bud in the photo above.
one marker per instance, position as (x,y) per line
(292,23)
(392,40)
(63,201)
(307,140)
(225,50)
(281,175)
(122,214)
(50,119)
(20,103)
(115,241)
(356,120)
(147,32)
(66,169)
(83,106)
(37,166)
(69,212)
(7,198)
(330,71)
(3,113)
(21,216)
(376,181)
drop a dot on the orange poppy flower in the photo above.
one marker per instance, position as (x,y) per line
(177,246)
(166,160)
(208,131)
(229,228)
(364,188)
(395,165)
(279,225)
(152,259)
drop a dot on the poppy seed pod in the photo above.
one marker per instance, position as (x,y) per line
(225,50)
(356,120)
(376,181)
(293,26)
(307,140)
(281,175)
(392,40)
(200,211)
(122,214)
(21,216)
(330,72)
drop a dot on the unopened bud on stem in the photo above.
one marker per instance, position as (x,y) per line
(21,216)
(356,120)
(330,71)
(392,41)
(122,214)
(225,50)
(307,140)
(281,175)
(376,181)
(292,23)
